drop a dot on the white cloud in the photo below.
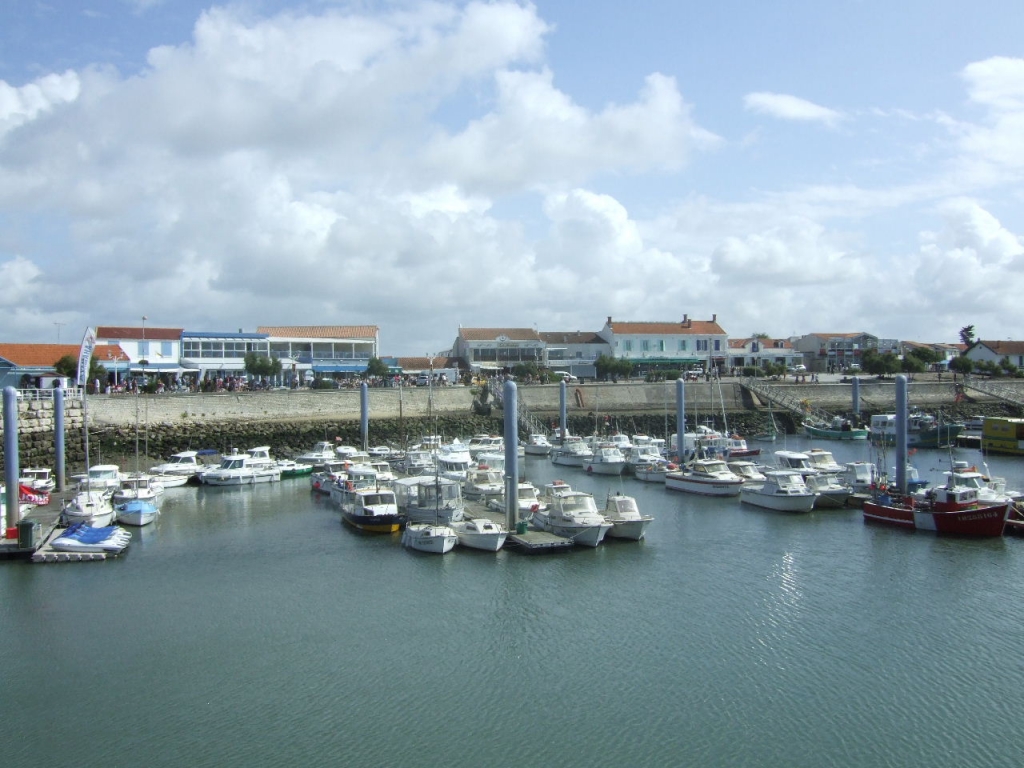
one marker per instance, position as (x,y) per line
(994,149)
(787,107)
(536,135)
(21,105)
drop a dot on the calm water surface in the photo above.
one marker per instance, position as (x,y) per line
(249,627)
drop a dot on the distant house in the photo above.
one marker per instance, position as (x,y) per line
(23,365)
(148,350)
(761,352)
(665,345)
(574,351)
(322,350)
(995,351)
(495,349)
(834,351)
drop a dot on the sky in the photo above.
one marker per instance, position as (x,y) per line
(789,167)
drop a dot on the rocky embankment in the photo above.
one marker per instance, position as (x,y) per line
(291,422)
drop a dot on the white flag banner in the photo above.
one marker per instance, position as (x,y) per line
(85,355)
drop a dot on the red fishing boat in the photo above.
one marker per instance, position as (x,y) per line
(981,520)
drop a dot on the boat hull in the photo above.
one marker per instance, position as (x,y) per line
(836,434)
(374,523)
(791,502)
(433,539)
(633,530)
(702,487)
(604,468)
(982,521)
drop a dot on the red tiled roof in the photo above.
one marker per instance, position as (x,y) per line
(491,334)
(1004,347)
(690,327)
(117,332)
(320,331)
(37,355)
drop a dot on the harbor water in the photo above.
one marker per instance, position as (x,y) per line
(249,627)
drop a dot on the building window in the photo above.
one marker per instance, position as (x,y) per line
(682,345)
(165,349)
(645,346)
(661,345)
(718,345)
(702,345)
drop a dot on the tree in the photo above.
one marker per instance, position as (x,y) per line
(377,367)
(612,367)
(259,366)
(962,364)
(925,354)
(967,335)
(68,366)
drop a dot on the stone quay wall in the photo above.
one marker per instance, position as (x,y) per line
(291,421)
(36,437)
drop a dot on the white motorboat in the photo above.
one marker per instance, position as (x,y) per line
(624,515)
(620,441)
(653,472)
(318,455)
(137,485)
(606,460)
(429,499)
(171,481)
(480,533)
(641,456)
(831,491)
(822,460)
(528,500)
(427,537)
(322,479)
(38,479)
(571,453)
(537,445)
(485,444)
(136,511)
(237,469)
(783,491)
(92,508)
(575,516)
(483,483)
(418,462)
(370,509)
(706,477)
(748,470)
(862,476)
(260,456)
(184,463)
(105,478)
(795,460)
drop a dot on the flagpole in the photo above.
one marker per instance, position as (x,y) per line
(84,357)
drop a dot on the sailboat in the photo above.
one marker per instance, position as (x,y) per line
(135,501)
(771,431)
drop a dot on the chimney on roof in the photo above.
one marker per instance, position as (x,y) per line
(685,316)
(609,319)
(714,318)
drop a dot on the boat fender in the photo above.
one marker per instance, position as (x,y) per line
(671,466)
(534,507)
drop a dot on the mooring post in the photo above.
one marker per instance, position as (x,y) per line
(680,420)
(855,391)
(364,413)
(58,437)
(511,410)
(901,433)
(11,468)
